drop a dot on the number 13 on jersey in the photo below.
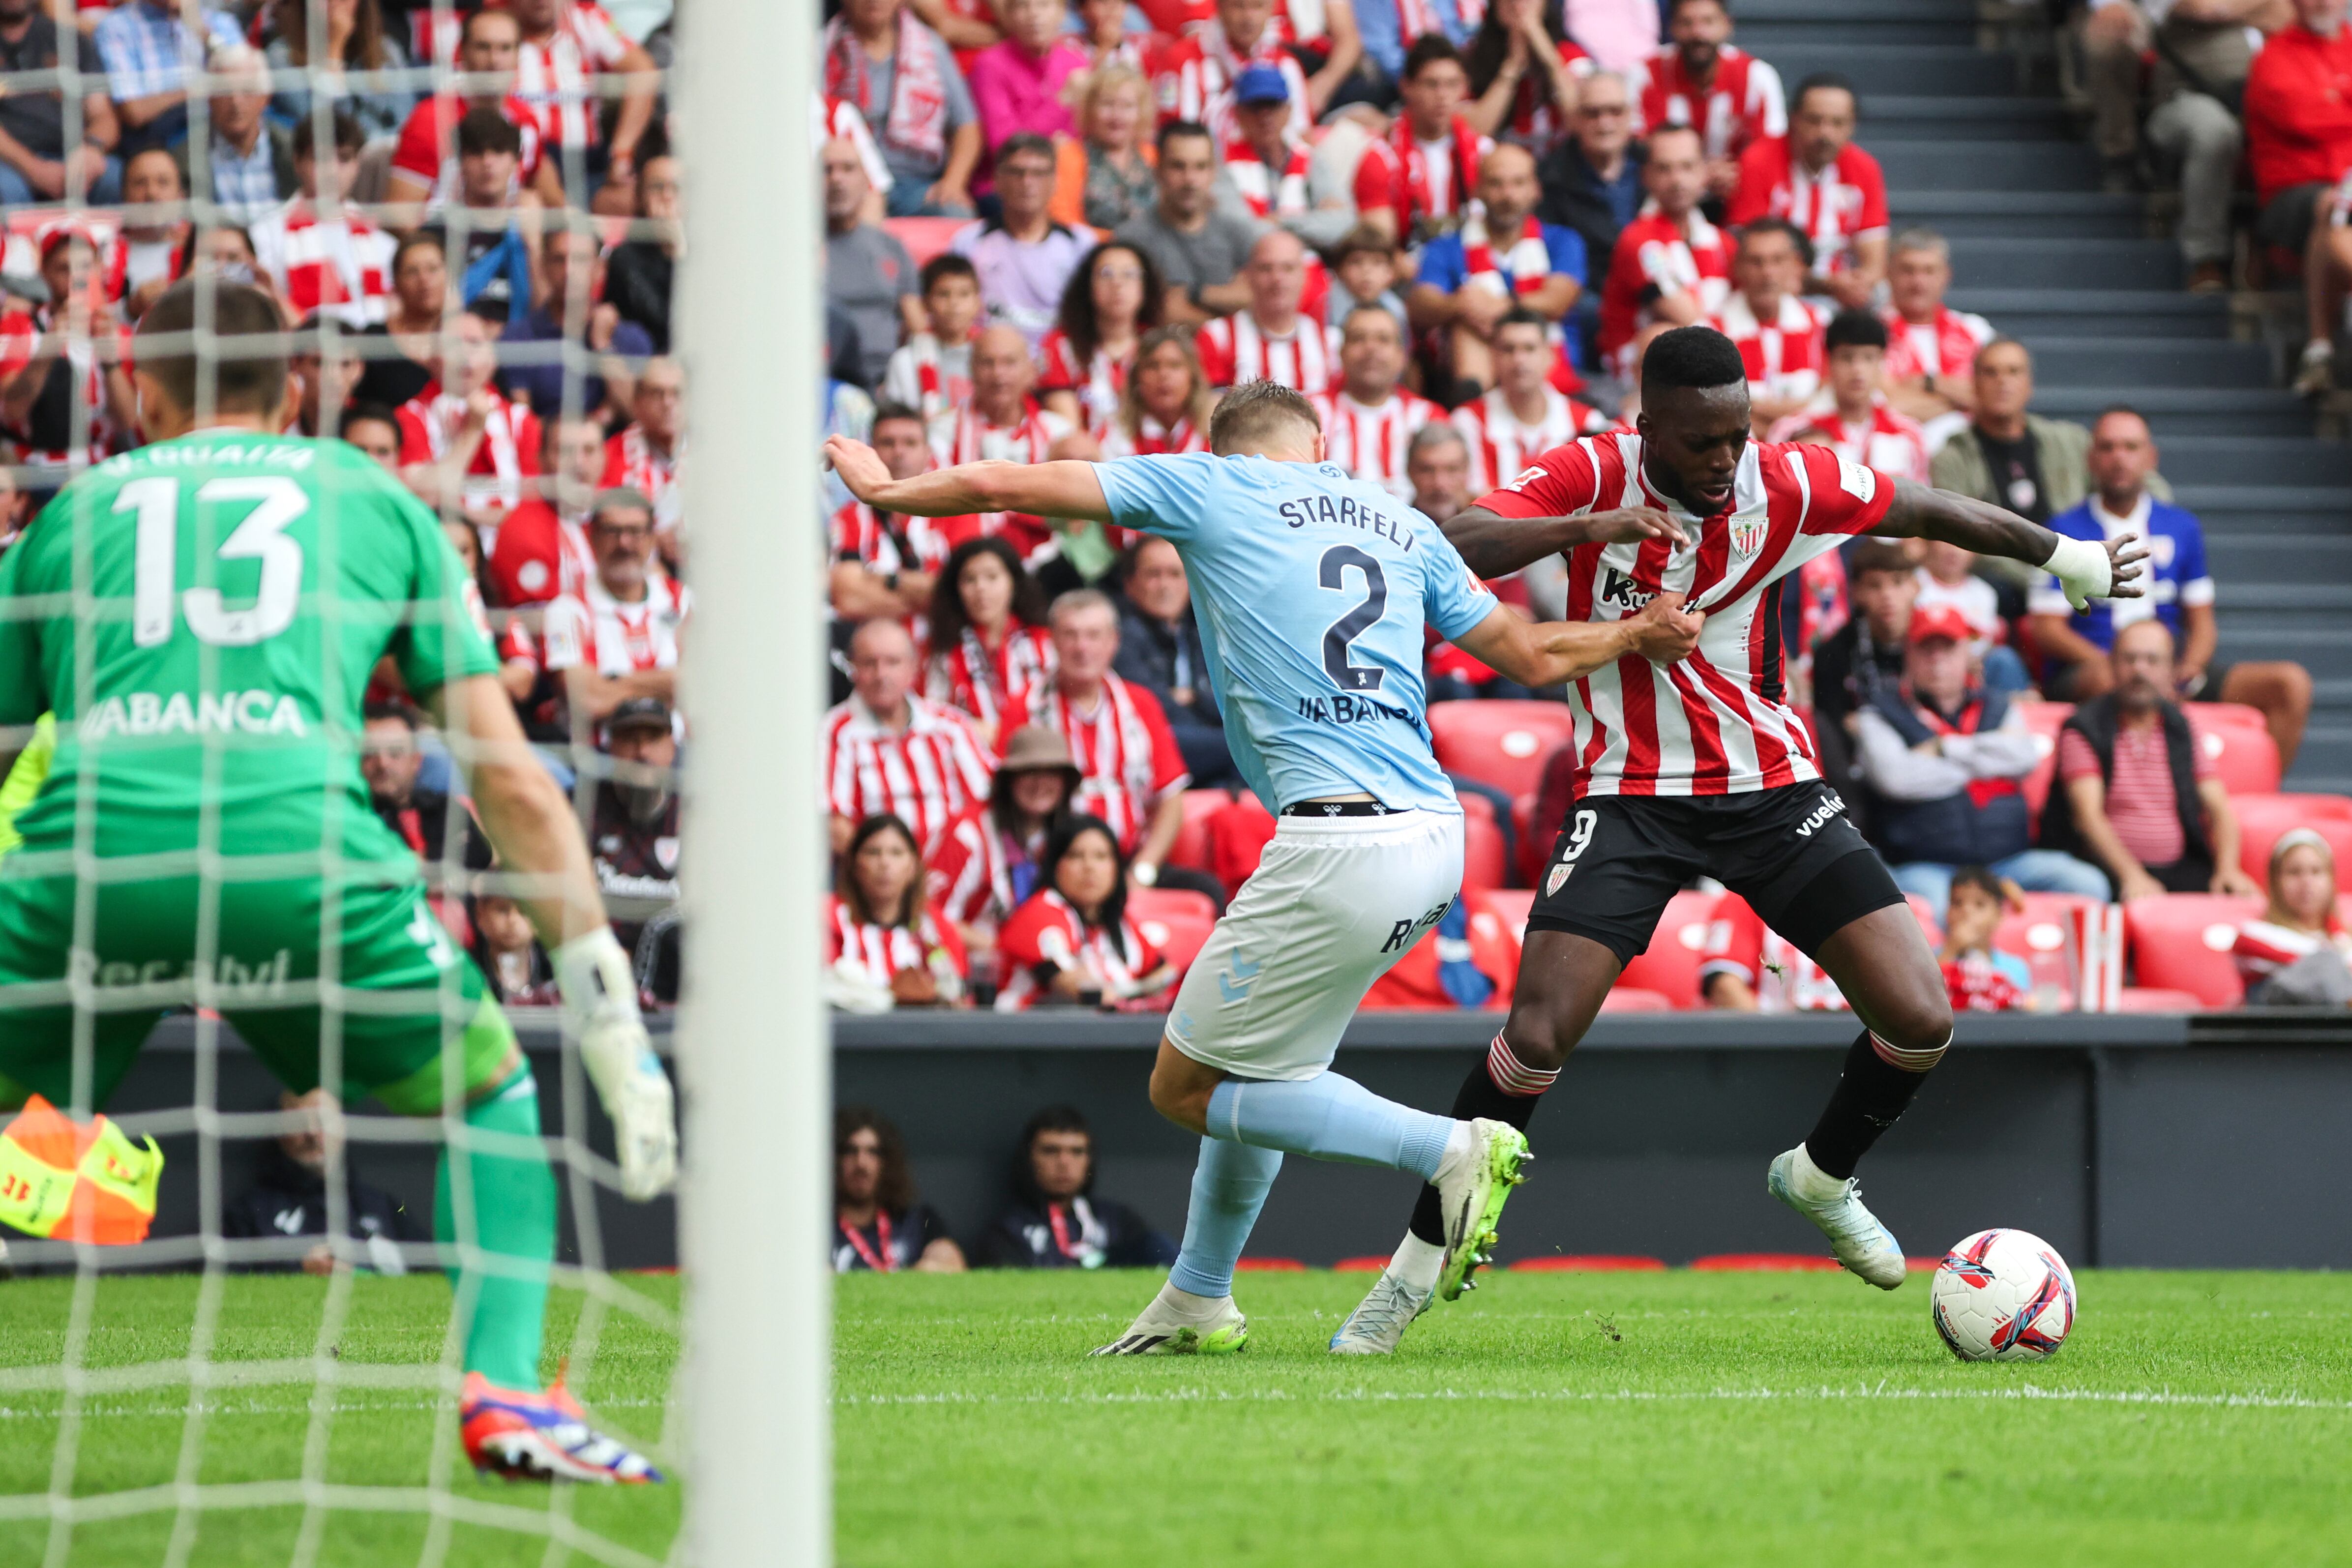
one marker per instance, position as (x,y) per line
(158,600)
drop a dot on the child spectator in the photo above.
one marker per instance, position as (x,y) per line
(1072,941)
(932,372)
(1166,402)
(1112,298)
(2296,954)
(1366,263)
(1977,976)
(1852,413)
(884,947)
(876,1223)
(985,864)
(989,643)
(508,954)
(1054,1221)
(338,267)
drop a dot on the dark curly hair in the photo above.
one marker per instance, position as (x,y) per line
(895,1192)
(948,622)
(1076,317)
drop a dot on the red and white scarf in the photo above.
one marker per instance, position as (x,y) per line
(915,121)
(1419,191)
(1269,193)
(1523,265)
(1152,439)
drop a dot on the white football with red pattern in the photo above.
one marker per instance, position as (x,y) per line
(2004,1295)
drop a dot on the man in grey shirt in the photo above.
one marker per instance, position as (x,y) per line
(1200,250)
(868,274)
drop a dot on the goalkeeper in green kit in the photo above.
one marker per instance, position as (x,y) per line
(201,615)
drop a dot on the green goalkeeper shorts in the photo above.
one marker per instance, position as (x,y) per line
(385,986)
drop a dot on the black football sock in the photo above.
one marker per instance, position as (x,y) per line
(1482,1094)
(1875,1088)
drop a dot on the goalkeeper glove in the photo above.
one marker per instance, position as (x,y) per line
(600,1005)
(2083,570)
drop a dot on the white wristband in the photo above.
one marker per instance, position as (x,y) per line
(594,977)
(2083,570)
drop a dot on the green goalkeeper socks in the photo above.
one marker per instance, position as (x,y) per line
(513,1200)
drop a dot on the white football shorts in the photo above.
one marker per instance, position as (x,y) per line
(1335,903)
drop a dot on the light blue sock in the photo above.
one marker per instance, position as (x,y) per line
(1229,1187)
(1329,1118)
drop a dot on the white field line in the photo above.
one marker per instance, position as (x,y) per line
(2028,1393)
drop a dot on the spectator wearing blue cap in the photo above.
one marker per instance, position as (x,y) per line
(1263,167)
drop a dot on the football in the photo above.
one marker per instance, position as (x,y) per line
(2004,1295)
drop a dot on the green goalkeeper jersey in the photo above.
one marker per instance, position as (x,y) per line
(202,615)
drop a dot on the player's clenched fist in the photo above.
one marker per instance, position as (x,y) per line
(1664,632)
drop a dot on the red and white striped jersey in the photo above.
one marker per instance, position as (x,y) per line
(1153,438)
(1193,78)
(1234,349)
(593,630)
(1946,345)
(1046,930)
(1718,722)
(2264,946)
(21,333)
(1370,443)
(632,459)
(551,74)
(964,436)
(1844,202)
(983,682)
(1535,123)
(928,378)
(340,269)
(1501,444)
(876,951)
(897,542)
(1268,192)
(926,773)
(1888,441)
(1739,944)
(1652,250)
(1784,356)
(1743,104)
(967,874)
(431,423)
(1097,383)
(1127,755)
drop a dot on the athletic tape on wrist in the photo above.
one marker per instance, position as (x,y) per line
(2084,568)
(1513,1076)
(1904,1060)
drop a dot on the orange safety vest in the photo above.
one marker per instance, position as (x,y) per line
(81,1182)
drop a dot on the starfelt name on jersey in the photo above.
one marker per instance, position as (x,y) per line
(1345,509)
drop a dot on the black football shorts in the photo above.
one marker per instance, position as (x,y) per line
(1792,853)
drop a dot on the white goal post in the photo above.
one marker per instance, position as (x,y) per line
(753,1046)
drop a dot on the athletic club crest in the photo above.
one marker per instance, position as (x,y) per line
(1558,875)
(1748,534)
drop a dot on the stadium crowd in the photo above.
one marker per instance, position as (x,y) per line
(1062,230)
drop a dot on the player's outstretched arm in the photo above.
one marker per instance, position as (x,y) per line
(1559,650)
(529,823)
(1496,546)
(2087,570)
(1040,489)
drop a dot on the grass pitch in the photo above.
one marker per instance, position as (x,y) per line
(1635,1419)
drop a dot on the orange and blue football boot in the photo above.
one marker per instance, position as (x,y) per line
(541,1436)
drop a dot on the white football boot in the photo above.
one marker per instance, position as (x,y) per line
(1473,1182)
(1381,1319)
(1178,1322)
(1865,1247)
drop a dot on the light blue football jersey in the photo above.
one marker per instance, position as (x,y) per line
(1312,590)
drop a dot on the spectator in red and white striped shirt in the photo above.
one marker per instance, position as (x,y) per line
(617,638)
(1829,188)
(1273,339)
(565,43)
(884,947)
(985,862)
(649,452)
(1525,413)
(886,750)
(1729,97)
(1133,775)
(1073,941)
(2135,793)
(882,563)
(987,636)
(463,447)
(1858,420)
(931,374)
(425,159)
(1369,421)
(1931,350)
(1672,266)
(338,266)
(1778,334)
(1003,423)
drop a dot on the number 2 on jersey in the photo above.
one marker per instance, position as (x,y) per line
(262,537)
(1349,675)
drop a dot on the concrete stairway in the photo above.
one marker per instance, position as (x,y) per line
(2041,253)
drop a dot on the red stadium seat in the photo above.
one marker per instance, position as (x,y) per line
(1931,921)
(2044,720)
(1635,999)
(1368,1264)
(923,238)
(1670,966)
(1588,1263)
(2043,934)
(1177,921)
(1269,1266)
(2159,1000)
(1765,1263)
(1511,905)
(2264,820)
(1482,858)
(1534,848)
(1192,846)
(1503,744)
(2235,740)
(2182,941)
